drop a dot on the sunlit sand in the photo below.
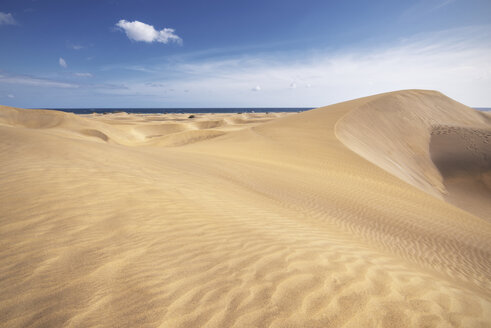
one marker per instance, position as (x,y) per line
(374,212)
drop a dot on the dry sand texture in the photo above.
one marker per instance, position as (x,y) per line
(368,213)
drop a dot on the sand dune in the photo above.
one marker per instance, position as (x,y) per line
(368,213)
(395,131)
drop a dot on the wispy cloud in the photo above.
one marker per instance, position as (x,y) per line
(138,31)
(76,46)
(139,69)
(442,3)
(83,74)
(62,63)
(34,81)
(7,19)
(453,62)
(424,7)
(11,96)
(134,68)
(256,88)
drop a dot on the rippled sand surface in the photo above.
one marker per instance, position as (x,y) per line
(370,213)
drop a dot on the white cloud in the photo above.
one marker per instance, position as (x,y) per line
(76,47)
(11,96)
(7,19)
(256,88)
(293,85)
(32,81)
(83,74)
(138,31)
(62,62)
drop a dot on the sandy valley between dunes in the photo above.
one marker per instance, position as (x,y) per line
(374,212)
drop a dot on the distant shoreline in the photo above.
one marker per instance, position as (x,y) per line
(193,110)
(181,110)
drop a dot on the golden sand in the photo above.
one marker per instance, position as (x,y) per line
(374,212)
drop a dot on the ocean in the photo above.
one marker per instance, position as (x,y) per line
(181,110)
(194,110)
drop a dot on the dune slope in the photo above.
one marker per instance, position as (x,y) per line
(418,135)
(463,157)
(303,220)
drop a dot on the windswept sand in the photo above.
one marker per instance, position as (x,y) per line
(374,212)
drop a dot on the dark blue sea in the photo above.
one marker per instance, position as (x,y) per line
(181,110)
(194,110)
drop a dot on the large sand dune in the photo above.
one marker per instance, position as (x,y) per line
(369,213)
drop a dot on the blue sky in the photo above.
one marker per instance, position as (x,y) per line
(146,53)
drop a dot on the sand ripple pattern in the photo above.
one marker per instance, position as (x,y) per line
(272,223)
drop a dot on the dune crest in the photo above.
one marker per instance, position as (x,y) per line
(395,130)
(132,130)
